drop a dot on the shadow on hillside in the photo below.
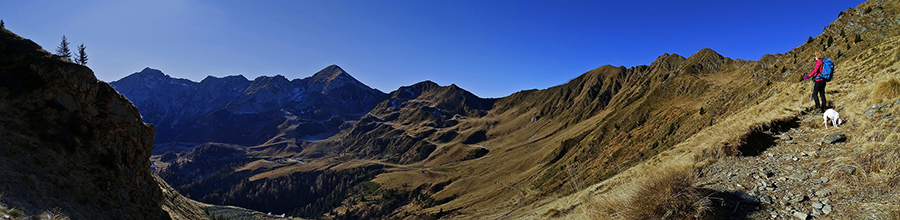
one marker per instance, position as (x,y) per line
(731,205)
(762,137)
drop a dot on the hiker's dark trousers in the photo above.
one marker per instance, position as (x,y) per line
(818,92)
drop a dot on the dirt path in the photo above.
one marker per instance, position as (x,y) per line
(792,177)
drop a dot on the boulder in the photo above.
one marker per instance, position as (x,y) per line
(814,118)
(870,112)
(834,138)
(850,170)
(801,215)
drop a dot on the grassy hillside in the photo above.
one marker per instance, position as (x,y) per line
(863,42)
(613,143)
(622,127)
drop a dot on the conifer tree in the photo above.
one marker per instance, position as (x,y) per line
(82,56)
(1,25)
(63,49)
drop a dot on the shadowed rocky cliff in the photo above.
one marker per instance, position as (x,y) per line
(70,141)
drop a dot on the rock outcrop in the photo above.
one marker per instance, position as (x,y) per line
(70,141)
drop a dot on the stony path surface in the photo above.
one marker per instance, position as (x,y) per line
(791,179)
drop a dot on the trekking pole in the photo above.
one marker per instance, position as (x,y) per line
(811,97)
(802,90)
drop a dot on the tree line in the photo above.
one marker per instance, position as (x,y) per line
(63,51)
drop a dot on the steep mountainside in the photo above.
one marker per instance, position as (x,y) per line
(404,128)
(70,141)
(306,183)
(238,111)
(604,145)
(766,158)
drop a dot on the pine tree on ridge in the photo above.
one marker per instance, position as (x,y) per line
(63,49)
(82,57)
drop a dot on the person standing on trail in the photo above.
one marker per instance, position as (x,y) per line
(818,91)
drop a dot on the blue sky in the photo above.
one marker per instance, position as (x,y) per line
(492,48)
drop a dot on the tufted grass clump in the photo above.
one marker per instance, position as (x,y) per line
(887,89)
(669,194)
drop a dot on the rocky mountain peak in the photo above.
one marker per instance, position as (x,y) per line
(150,73)
(667,62)
(330,78)
(276,78)
(232,78)
(705,60)
(329,72)
(425,85)
(277,82)
(706,52)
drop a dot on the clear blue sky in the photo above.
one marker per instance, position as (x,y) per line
(492,48)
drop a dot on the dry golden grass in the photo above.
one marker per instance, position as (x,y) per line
(868,165)
(876,157)
(15,214)
(886,89)
(53,214)
(717,151)
(875,169)
(668,193)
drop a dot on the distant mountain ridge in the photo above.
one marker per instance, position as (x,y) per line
(434,152)
(235,110)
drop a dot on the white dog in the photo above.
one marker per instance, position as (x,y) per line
(834,116)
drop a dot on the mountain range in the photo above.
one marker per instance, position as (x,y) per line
(697,137)
(239,111)
(430,151)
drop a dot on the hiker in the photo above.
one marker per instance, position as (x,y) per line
(820,74)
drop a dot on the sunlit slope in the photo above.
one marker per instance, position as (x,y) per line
(549,143)
(862,42)
(432,151)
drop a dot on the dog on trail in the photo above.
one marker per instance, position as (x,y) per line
(834,116)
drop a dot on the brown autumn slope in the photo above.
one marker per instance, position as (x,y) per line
(527,140)
(539,149)
(863,43)
(548,143)
(553,151)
